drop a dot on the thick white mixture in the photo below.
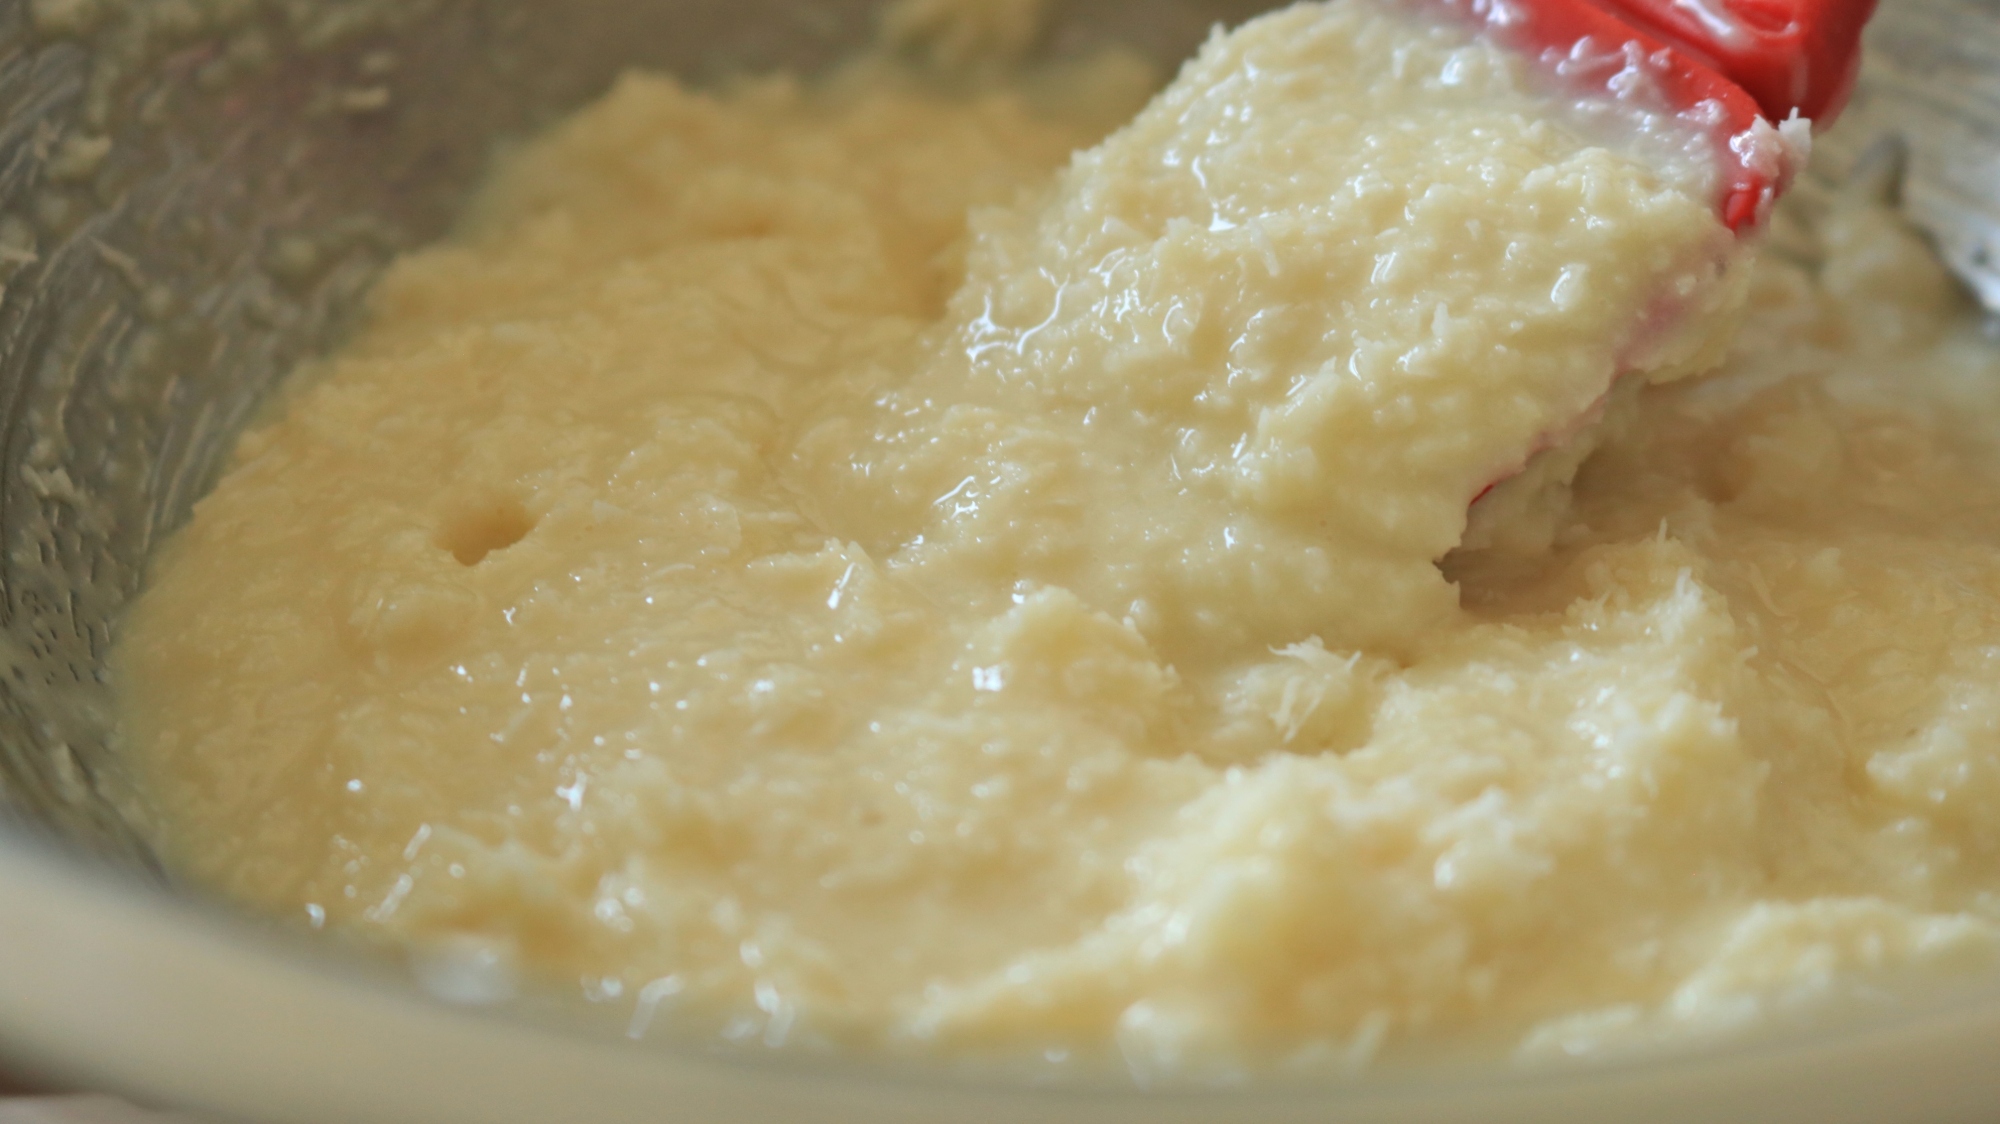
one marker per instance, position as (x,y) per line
(803,563)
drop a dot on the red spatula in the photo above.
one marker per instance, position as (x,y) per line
(1730,64)
(1738,68)
(1786,54)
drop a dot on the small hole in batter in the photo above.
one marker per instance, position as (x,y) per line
(478,531)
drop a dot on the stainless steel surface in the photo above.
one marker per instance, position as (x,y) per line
(195,193)
(1932,78)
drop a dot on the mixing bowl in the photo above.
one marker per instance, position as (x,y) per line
(194,194)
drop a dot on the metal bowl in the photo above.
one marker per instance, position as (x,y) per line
(194,194)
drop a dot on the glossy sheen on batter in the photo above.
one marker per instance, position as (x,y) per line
(812,563)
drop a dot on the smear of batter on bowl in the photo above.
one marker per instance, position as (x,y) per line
(818,562)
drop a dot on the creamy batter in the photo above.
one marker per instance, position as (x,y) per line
(822,564)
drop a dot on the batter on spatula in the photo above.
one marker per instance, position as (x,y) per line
(818,564)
